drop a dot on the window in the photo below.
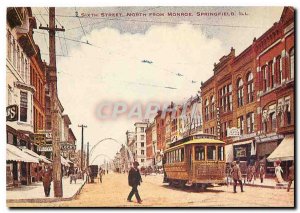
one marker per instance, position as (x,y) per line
(250,122)
(142,137)
(278,69)
(14,53)
(8,45)
(225,98)
(142,129)
(142,160)
(206,109)
(142,152)
(271,74)
(288,117)
(199,153)
(212,109)
(142,144)
(18,59)
(220,153)
(211,153)
(292,64)
(240,92)
(25,71)
(265,78)
(273,121)
(250,87)
(182,154)
(240,124)
(23,106)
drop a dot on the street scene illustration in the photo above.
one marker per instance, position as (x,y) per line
(157,106)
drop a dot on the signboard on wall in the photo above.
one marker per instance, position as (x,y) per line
(12,113)
(233,132)
(45,148)
(240,152)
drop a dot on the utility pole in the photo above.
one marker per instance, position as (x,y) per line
(81,161)
(57,175)
(87,155)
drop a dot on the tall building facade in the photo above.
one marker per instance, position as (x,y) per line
(249,101)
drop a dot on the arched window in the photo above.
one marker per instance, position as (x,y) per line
(250,87)
(240,92)
(206,109)
(212,110)
(292,63)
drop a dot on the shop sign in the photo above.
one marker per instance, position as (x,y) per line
(44,148)
(12,113)
(39,139)
(240,152)
(233,132)
(67,146)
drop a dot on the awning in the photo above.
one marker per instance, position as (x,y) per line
(15,154)
(285,150)
(39,157)
(45,159)
(64,161)
(229,153)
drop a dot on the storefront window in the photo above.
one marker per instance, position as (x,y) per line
(211,153)
(199,153)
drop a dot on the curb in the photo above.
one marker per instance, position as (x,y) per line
(46,200)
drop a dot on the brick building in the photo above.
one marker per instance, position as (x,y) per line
(149,146)
(254,93)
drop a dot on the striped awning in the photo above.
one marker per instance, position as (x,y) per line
(13,153)
(40,157)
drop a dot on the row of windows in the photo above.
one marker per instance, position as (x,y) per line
(17,57)
(272,72)
(175,156)
(211,153)
(249,123)
(38,84)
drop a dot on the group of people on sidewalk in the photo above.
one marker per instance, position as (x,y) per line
(236,175)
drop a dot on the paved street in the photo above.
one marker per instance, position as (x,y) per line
(114,190)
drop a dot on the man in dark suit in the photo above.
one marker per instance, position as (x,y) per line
(236,176)
(47,178)
(134,179)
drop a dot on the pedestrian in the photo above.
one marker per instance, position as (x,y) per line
(278,171)
(236,175)
(134,179)
(291,176)
(100,174)
(47,178)
(261,172)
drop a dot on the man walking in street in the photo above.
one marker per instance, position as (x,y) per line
(47,178)
(100,174)
(237,176)
(134,179)
(291,176)
(261,172)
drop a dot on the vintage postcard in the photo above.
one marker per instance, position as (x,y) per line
(157,106)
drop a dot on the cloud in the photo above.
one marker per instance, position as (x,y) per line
(111,69)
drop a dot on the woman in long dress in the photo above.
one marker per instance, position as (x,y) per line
(278,171)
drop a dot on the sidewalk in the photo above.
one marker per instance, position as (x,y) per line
(35,192)
(269,183)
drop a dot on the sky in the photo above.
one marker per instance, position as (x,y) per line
(99,60)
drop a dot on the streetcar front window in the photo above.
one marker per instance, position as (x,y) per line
(221,153)
(199,153)
(211,152)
